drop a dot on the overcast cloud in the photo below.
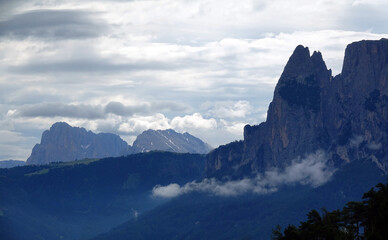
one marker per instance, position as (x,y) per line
(206,67)
(53,24)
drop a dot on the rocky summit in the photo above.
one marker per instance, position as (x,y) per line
(63,143)
(345,116)
(169,140)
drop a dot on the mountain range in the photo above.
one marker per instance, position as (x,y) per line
(169,140)
(11,163)
(63,143)
(324,143)
(344,116)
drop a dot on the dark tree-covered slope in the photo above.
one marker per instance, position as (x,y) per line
(367,219)
(249,216)
(77,200)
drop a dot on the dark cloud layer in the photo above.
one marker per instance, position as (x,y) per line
(7,7)
(53,24)
(85,111)
(122,110)
(92,65)
(61,110)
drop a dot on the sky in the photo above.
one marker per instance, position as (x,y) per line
(207,67)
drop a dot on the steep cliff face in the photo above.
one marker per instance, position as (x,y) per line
(360,120)
(346,116)
(64,143)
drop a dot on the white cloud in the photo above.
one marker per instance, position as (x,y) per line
(236,128)
(312,170)
(374,146)
(228,109)
(194,121)
(355,141)
(138,124)
(169,191)
(88,111)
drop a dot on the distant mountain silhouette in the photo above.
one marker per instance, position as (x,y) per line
(11,163)
(63,143)
(169,140)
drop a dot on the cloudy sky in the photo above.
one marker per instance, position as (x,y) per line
(207,67)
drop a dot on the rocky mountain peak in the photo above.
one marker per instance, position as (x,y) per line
(301,80)
(370,54)
(298,63)
(365,65)
(64,143)
(345,116)
(320,65)
(169,140)
(60,125)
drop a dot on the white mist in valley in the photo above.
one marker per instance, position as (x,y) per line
(312,170)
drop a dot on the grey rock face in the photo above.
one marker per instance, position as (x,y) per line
(346,116)
(169,140)
(63,143)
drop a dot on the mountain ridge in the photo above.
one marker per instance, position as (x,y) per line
(63,143)
(11,163)
(311,110)
(169,140)
(345,117)
(66,143)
